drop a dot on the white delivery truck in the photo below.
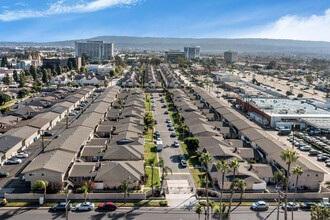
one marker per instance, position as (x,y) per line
(159,145)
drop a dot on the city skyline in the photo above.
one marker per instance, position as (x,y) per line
(44,21)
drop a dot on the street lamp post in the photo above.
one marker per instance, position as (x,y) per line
(42,141)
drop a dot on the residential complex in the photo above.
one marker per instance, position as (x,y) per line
(192,52)
(231,56)
(95,50)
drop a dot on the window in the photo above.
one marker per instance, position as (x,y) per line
(317,175)
(42,174)
(32,174)
(307,175)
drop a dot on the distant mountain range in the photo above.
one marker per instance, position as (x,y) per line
(212,45)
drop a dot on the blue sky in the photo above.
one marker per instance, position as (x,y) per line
(53,20)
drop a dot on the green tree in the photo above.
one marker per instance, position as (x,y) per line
(40,185)
(22,93)
(240,185)
(320,213)
(45,76)
(85,191)
(59,69)
(4,61)
(34,72)
(4,98)
(15,76)
(192,143)
(205,160)
(83,60)
(198,210)
(6,80)
(124,187)
(298,172)
(212,206)
(271,65)
(70,65)
(234,165)
(22,79)
(152,163)
(5,110)
(289,156)
(179,60)
(149,120)
(309,79)
(165,170)
(223,167)
(106,83)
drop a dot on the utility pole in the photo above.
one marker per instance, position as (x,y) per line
(67,121)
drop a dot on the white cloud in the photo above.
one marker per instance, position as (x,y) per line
(60,7)
(315,27)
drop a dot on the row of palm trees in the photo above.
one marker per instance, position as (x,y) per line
(288,156)
(152,162)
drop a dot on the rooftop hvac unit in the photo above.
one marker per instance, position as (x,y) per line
(283,111)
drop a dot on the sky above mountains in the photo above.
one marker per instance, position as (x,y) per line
(55,20)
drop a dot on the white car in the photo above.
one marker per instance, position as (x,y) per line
(14,161)
(260,205)
(86,206)
(22,155)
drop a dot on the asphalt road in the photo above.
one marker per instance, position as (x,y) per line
(170,154)
(145,213)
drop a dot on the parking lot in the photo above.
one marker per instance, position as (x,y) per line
(170,154)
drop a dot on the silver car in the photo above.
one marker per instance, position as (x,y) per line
(86,206)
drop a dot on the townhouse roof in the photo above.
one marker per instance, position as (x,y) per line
(253,134)
(93,151)
(269,146)
(57,161)
(261,170)
(85,169)
(119,171)
(24,132)
(71,139)
(98,141)
(241,124)
(90,120)
(129,127)
(48,115)
(7,142)
(124,152)
(99,107)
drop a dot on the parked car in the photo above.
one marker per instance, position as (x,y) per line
(72,114)
(14,161)
(61,206)
(313,153)
(305,148)
(168,120)
(291,206)
(157,133)
(183,163)
(173,134)
(156,122)
(260,205)
(307,205)
(166,112)
(176,144)
(170,124)
(171,128)
(181,156)
(3,174)
(164,106)
(108,206)
(47,133)
(22,155)
(86,206)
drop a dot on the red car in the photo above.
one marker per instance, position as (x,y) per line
(108,206)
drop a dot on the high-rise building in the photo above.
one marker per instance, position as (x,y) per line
(172,55)
(96,50)
(192,52)
(231,56)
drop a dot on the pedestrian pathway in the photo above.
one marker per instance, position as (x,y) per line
(186,201)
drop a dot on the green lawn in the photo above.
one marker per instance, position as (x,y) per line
(199,178)
(150,151)
(148,135)
(156,177)
(13,101)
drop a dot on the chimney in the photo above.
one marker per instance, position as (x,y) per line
(251,166)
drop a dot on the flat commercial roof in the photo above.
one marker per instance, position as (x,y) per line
(288,107)
(319,123)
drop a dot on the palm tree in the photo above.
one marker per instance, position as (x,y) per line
(152,163)
(234,165)
(223,166)
(212,205)
(165,171)
(289,156)
(40,185)
(205,159)
(280,178)
(296,171)
(198,210)
(124,187)
(240,184)
(85,191)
